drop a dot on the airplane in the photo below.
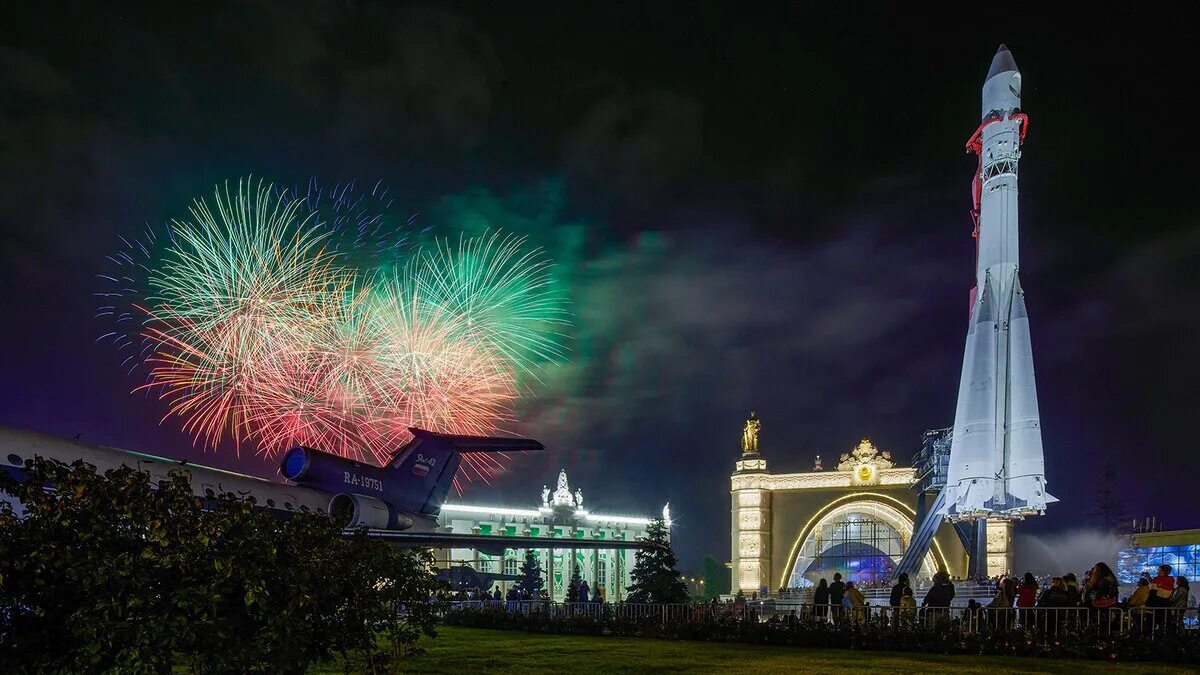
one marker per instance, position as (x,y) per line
(398,503)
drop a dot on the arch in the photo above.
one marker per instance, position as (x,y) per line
(900,511)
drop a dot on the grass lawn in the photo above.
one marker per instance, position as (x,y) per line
(471,651)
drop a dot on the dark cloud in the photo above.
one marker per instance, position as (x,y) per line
(45,130)
(431,82)
(753,215)
(637,144)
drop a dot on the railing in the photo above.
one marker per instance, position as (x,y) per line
(624,611)
(1048,624)
(964,591)
(1042,624)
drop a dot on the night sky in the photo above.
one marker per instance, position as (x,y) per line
(757,207)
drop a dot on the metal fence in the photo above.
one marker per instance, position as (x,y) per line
(1042,624)
(964,591)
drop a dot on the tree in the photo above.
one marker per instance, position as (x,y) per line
(573,584)
(111,572)
(716,578)
(1108,513)
(655,578)
(531,581)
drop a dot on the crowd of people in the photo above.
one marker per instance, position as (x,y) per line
(1099,590)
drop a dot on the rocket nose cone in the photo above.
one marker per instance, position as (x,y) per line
(1002,62)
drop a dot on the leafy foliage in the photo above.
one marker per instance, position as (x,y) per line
(531,576)
(716,578)
(654,574)
(110,572)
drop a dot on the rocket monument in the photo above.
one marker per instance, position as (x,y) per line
(996,466)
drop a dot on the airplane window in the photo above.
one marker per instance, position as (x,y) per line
(271,503)
(287,505)
(253,500)
(15,460)
(208,492)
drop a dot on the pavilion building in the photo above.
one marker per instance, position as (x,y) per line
(855,518)
(560,515)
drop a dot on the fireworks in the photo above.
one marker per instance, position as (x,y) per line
(501,293)
(258,328)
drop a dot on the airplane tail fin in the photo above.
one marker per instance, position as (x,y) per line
(427,464)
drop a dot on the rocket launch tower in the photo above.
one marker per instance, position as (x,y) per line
(996,467)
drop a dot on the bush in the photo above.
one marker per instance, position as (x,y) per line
(109,572)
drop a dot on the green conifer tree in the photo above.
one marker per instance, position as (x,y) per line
(655,578)
(716,578)
(573,584)
(531,576)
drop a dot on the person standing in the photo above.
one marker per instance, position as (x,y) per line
(1074,596)
(837,591)
(1100,591)
(1000,608)
(941,594)
(1162,587)
(855,602)
(898,590)
(1181,597)
(821,599)
(1140,597)
(1027,592)
(1056,595)
(584,589)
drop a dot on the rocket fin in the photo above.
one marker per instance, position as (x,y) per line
(972,473)
(1026,473)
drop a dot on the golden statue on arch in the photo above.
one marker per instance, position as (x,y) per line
(750,434)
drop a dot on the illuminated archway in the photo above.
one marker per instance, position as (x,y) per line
(892,518)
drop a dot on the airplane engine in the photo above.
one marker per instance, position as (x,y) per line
(363,511)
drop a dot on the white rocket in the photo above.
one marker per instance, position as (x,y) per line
(996,465)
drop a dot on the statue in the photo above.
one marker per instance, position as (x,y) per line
(562,495)
(578,498)
(545,496)
(865,453)
(750,435)
(667,514)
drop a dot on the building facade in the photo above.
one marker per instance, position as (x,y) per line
(1178,548)
(788,530)
(561,515)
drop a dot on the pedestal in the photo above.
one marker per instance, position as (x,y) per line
(999,547)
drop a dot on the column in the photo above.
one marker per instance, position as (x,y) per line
(999,547)
(570,570)
(550,568)
(751,540)
(595,583)
(618,574)
(475,551)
